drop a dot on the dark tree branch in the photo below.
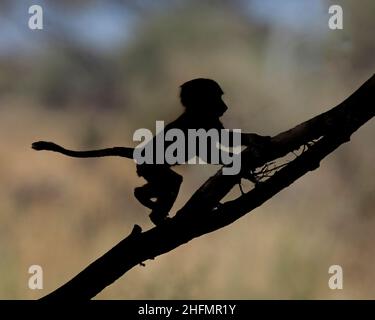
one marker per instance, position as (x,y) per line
(203,213)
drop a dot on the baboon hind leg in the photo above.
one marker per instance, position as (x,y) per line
(163,185)
(164,204)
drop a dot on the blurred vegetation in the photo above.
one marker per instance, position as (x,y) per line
(63,213)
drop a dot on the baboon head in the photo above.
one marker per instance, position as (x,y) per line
(203,97)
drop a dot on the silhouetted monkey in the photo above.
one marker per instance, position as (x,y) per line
(202,99)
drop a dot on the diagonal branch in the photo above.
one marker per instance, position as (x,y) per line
(203,213)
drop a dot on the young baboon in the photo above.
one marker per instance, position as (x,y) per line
(203,103)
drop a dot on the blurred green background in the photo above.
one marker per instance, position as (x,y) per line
(101,69)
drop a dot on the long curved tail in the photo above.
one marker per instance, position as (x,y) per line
(108,152)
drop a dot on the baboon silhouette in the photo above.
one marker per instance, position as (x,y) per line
(203,103)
